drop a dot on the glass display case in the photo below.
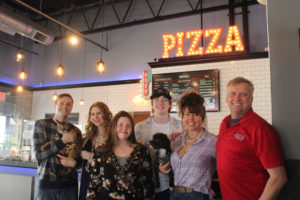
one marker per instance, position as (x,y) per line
(16,145)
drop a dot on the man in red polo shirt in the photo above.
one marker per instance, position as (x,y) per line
(249,158)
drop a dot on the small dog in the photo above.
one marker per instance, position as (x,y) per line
(161,143)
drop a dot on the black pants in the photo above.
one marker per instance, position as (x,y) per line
(163,195)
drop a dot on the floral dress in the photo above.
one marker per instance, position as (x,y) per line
(110,180)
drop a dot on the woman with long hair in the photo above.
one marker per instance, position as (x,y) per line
(122,169)
(96,134)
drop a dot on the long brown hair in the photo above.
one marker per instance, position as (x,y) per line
(112,139)
(90,129)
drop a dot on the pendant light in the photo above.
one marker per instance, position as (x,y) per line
(20,56)
(100,63)
(54,97)
(20,88)
(23,75)
(81,103)
(60,68)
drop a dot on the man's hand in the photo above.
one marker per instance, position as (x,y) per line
(87,155)
(162,168)
(68,137)
(67,161)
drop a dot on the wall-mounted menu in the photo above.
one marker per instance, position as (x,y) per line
(206,82)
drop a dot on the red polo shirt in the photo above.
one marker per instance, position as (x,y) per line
(244,152)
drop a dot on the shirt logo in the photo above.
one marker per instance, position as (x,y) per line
(238,136)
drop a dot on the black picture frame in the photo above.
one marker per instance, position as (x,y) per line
(206,82)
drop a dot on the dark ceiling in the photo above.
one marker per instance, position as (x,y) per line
(121,13)
(49,6)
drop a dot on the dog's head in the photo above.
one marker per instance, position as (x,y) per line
(159,141)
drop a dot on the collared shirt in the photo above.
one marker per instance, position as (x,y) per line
(244,151)
(196,168)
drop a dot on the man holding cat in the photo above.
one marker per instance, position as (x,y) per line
(54,182)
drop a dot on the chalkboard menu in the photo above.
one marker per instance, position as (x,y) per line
(206,82)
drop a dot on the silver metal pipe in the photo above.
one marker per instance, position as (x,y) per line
(61,24)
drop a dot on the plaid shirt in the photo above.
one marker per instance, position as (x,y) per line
(49,166)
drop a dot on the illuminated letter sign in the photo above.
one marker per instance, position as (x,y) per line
(172,42)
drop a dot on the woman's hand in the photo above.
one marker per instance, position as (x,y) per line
(87,155)
(163,168)
(67,161)
(173,136)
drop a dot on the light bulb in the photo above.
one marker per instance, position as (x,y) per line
(100,67)
(54,97)
(20,88)
(74,40)
(81,102)
(23,75)
(60,70)
(20,56)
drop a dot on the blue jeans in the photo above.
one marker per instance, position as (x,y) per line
(57,193)
(188,196)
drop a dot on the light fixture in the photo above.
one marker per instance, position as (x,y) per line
(23,75)
(81,103)
(20,88)
(54,97)
(100,63)
(73,39)
(139,100)
(60,70)
(20,56)
(100,66)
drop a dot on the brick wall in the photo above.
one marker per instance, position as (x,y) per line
(119,97)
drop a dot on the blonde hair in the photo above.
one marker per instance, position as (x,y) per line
(238,80)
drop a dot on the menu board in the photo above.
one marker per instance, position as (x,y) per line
(205,82)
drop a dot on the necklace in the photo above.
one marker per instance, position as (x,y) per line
(194,139)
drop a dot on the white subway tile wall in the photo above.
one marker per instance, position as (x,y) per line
(119,97)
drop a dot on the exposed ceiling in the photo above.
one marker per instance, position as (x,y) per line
(118,13)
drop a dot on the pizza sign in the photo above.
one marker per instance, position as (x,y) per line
(175,42)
